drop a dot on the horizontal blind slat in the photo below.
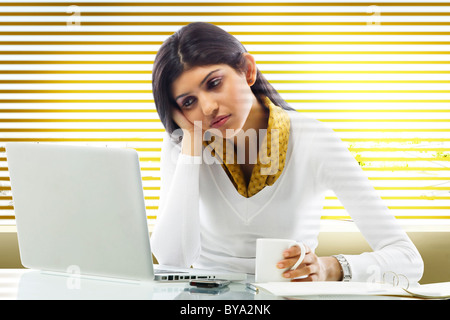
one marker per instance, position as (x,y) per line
(383,88)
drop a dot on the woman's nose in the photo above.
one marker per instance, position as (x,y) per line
(209,107)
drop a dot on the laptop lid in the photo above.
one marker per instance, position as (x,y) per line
(80,208)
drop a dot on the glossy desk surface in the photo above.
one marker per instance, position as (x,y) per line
(32,284)
(18,284)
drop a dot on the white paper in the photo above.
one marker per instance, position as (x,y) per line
(286,289)
(432,290)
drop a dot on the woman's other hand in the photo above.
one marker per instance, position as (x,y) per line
(312,268)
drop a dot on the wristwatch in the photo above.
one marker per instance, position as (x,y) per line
(345,268)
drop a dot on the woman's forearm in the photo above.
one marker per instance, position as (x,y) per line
(176,237)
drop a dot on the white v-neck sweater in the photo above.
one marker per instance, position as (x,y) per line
(204,222)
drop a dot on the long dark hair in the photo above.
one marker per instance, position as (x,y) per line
(200,44)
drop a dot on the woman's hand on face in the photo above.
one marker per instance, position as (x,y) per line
(192,139)
(182,121)
(312,268)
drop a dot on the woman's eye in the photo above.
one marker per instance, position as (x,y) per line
(214,83)
(211,85)
(187,102)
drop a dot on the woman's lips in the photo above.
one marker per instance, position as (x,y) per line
(220,121)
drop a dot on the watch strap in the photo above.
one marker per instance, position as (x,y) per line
(345,267)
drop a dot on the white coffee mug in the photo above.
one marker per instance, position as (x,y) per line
(268,253)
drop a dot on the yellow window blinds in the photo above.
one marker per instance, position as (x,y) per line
(378,73)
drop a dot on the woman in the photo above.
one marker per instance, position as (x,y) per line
(244,165)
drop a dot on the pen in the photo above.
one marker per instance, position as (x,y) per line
(252,287)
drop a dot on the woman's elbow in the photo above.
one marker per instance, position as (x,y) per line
(419,266)
(415,266)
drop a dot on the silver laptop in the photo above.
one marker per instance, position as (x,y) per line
(82,209)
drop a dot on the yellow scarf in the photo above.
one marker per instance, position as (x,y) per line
(268,167)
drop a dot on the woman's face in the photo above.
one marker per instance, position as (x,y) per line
(216,95)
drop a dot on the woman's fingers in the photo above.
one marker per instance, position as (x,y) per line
(289,263)
(307,269)
(291,256)
(292,252)
(181,120)
(311,277)
(303,270)
(186,125)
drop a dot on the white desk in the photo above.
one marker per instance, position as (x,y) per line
(31,284)
(17,284)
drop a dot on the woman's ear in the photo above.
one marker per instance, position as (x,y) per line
(250,72)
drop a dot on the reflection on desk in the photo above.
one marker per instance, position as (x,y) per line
(33,285)
(44,286)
